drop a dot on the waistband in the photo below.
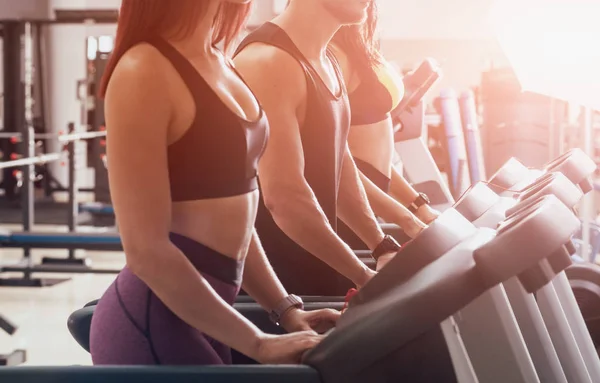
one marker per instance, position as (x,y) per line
(208,261)
(381,180)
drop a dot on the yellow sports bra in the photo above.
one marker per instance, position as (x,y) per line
(380,90)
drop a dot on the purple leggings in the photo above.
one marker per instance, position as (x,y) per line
(131,326)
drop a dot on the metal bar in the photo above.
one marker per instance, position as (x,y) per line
(72,16)
(63,269)
(73,208)
(28,170)
(81,136)
(37,160)
(39,51)
(41,77)
(8,135)
(12,100)
(578,326)
(60,137)
(433,119)
(587,203)
(64,245)
(87,15)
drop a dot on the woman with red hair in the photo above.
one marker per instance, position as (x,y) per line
(185,134)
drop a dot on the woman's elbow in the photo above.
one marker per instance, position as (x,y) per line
(277,199)
(274,202)
(141,256)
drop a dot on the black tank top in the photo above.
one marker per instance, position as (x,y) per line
(218,155)
(324,134)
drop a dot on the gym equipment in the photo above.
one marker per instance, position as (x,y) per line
(97,208)
(470,125)
(484,207)
(574,164)
(458,168)
(97,119)
(22,40)
(516,123)
(448,226)
(594,242)
(585,281)
(22,49)
(430,280)
(416,86)
(79,322)
(16,357)
(21,117)
(98,214)
(71,241)
(411,139)
(573,344)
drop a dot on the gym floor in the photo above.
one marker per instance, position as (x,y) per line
(41,313)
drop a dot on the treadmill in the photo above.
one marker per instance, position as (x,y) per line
(542,351)
(389,331)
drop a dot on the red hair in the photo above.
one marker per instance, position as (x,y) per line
(143,19)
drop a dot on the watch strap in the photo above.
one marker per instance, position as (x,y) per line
(287,303)
(421,200)
(387,245)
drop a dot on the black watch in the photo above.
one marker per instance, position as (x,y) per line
(421,200)
(388,245)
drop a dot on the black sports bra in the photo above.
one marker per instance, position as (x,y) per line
(218,155)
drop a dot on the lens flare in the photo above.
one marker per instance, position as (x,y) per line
(553,46)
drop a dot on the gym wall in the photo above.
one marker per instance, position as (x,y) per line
(456,33)
(23,8)
(463,60)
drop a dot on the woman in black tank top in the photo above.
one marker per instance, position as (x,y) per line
(184,138)
(375,89)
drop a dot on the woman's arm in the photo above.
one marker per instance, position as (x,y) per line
(404,193)
(261,283)
(138,113)
(390,210)
(354,208)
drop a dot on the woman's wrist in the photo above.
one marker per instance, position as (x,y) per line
(287,318)
(364,277)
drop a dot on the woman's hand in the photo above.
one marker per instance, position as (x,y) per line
(427,214)
(320,321)
(285,349)
(410,224)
